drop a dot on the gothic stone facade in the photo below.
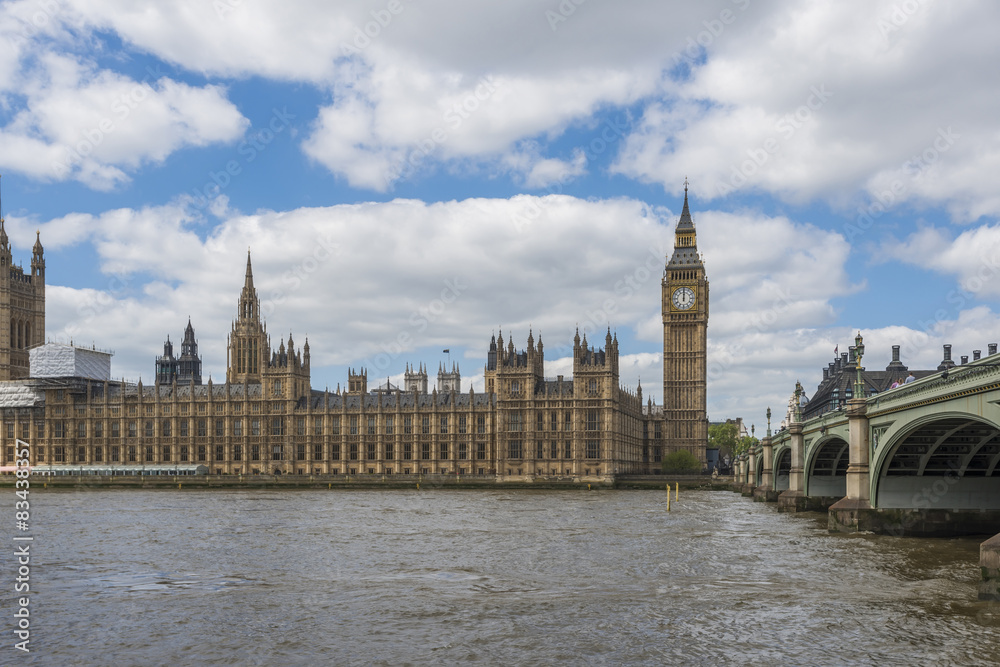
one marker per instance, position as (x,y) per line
(265,417)
(22,308)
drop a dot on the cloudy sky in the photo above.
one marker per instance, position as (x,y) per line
(415,176)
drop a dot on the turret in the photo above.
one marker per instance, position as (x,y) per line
(5,256)
(449,381)
(357,383)
(491,356)
(38,258)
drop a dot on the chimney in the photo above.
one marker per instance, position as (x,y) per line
(895,366)
(965,359)
(976,354)
(946,363)
(826,374)
(993,348)
(850,358)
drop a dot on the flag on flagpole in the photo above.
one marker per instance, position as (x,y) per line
(836,350)
(446,351)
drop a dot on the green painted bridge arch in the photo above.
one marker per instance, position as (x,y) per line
(826,465)
(782,467)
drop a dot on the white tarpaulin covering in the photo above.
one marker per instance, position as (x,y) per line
(16,394)
(55,360)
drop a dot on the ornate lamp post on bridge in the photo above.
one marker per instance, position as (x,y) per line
(859,351)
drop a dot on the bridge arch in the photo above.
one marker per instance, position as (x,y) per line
(826,470)
(782,467)
(950,460)
(759,473)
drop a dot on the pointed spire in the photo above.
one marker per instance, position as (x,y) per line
(685,221)
(248,282)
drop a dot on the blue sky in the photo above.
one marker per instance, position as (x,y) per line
(416,176)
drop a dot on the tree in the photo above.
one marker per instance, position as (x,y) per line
(725,437)
(745,444)
(681,462)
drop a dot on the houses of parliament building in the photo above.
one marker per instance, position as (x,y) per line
(266,418)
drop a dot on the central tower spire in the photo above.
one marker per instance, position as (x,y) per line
(248,346)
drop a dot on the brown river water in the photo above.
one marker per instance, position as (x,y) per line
(259,577)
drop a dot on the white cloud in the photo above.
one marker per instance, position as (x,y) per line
(835,100)
(91,125)
(973,258)
(551,171)
(402,119)
(821,100)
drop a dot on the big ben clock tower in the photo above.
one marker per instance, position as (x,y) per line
(685,326)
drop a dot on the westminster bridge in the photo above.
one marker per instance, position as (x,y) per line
(920,459)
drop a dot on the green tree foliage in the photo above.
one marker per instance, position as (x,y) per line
(725,437)
(745,444)
(681,462)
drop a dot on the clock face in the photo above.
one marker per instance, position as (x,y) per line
(683,298)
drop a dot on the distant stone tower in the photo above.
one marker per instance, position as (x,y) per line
(449,381)
(415,379)
(187,368)
(189,363)
(287,376)
(166,365)
(490,372)
(357,382)
(685,339)
(22,308)
(248,346)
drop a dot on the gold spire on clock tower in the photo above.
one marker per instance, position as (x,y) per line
(685,327)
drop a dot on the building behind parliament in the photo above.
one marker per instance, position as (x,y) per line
(266,419)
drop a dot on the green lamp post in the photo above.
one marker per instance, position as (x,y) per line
(859,351)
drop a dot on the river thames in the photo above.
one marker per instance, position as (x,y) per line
(253,577)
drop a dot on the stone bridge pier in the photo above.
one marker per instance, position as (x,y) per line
(854,512)
(765,492)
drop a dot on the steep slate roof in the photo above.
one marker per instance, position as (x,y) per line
(686,256)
